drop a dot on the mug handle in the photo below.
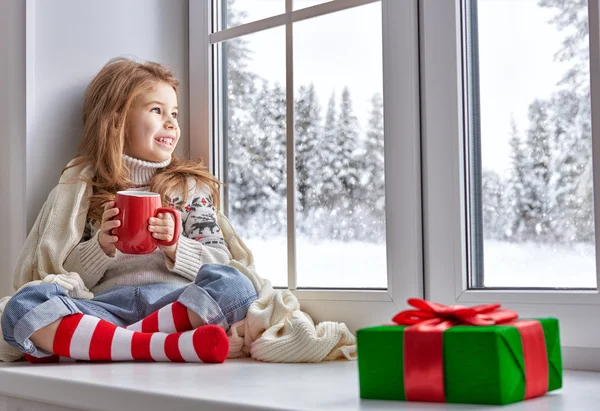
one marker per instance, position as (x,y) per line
(177,217)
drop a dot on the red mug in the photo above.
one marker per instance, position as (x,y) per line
(135,209)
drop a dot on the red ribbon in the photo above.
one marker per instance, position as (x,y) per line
(423,346)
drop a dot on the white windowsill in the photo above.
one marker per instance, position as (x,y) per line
(237,385)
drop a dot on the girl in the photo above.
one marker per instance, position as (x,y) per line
(174,304)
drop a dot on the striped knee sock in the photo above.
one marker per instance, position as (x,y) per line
(170,319)
(84,337)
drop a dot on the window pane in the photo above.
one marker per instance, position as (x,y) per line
(340,208)
(239,12)
(302,4)
(255,138)
(535,191)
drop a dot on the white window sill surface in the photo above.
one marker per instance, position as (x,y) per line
(235,385)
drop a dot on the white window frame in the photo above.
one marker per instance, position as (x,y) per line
(444,199)
(402,149)
(423,115)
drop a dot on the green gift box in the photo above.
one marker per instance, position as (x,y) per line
(481,364)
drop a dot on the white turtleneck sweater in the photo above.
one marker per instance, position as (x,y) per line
(201,242)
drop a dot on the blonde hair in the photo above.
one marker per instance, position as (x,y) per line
(107,102)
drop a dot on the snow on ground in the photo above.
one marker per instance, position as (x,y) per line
(535,265)
(363,265)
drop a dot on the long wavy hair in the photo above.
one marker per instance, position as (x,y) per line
(106,105)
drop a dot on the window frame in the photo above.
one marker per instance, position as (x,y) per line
(424,122)
(444,202)
(357,308)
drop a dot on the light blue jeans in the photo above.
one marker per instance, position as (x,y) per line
(220,295)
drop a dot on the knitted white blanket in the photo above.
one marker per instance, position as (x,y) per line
(274,330)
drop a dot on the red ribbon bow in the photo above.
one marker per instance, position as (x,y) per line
(445,316)
(423,345)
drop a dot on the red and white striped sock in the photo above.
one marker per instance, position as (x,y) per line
(172,318)
(84,337)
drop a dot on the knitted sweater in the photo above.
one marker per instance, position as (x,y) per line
(275,329)
(201,242)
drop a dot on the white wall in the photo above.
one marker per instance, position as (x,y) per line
(68,41)
(12,136)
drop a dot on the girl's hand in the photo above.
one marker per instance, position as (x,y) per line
(163,228)
(105,238)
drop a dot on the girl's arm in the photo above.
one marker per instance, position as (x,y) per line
(201,241)
(88,259)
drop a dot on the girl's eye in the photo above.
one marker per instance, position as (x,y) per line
(156,110)
(175,115)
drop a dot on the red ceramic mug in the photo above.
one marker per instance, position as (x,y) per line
(135,209)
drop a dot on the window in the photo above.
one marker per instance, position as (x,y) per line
(235,13)
(486,134)
(280,102)
(508,201)
(338,143)
(530,145)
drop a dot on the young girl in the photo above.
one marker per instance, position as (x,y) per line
(174,304)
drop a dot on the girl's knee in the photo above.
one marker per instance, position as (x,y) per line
(221,276)
(232,290)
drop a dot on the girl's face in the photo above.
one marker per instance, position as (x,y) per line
(152,127)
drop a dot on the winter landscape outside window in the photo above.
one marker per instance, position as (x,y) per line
(340,236)
(529,126)
(532,216)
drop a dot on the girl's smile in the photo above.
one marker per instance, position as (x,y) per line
(165,141)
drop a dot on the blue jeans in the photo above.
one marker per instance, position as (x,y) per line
(220,295)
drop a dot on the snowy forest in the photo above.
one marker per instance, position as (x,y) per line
(339,167)
(340,190)
(547,198)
